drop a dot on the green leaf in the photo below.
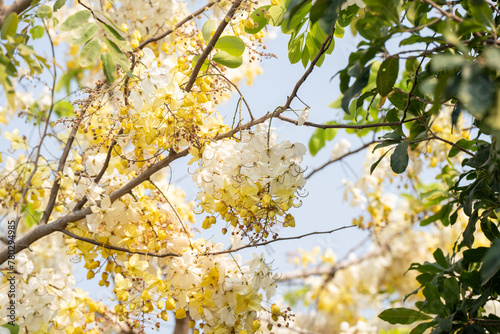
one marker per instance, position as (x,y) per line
(433,303)
(446,323)
(205,65)
(320,137)
(58,5)
(37,32)
(347,15)
(31,216)
(89,53)
(447,61)
(227,60)
(44,12)
(440,258)
(474,329)
(231,44)
(14,329)
(387,75)
(492,57)
(118,55)
(66,78)
(482,12)
(295,49)
(356,88)
(75,20)
(399,159)
(9,26)
(109,67)
(421,328)
(476,91)
(376,163)
(116,37)
(259,18)
(491,262)
(403,316)
(294,17)
(63,108)
(305,57)
(490,229)
(463,143)
(207,29)
(277,14)
(451,293)
(83,33)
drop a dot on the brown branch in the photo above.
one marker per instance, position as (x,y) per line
(60,224)
(340,158)
(495,8)
(62,162)
(118,249)
(83,200)
(442,11)
(44,134)
(434,137)
(211,45)
(347,126)
(157,255)
(322,50)
(289,100)
(176,26)
(182,325)
(57,183)
(414,84)
(17,7)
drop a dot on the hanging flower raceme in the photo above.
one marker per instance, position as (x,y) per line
(248,186)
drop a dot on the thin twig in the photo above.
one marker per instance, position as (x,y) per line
(434,137)
(47,121)
(348,126)
(96,180)
(60,224)
(211,45)
(228,251)
(239,92)
(340,158)
(176,26)
(174,210)
(442,11)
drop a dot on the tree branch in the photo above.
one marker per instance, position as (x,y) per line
(340,158)
(17,7)
(60,224)
(347,126)
(211,45)
(179,24)
(227,251)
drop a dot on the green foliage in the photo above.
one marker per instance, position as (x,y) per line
(320,137)
(259,19)
(451,58)
(14,329)
(402,316)
(228,60)
(232,45)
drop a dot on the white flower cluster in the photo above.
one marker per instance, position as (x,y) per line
(46,300)
(248,186)
(221,291)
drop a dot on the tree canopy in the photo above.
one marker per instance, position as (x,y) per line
(116,94)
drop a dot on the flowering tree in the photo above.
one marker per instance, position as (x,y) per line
(132,88)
